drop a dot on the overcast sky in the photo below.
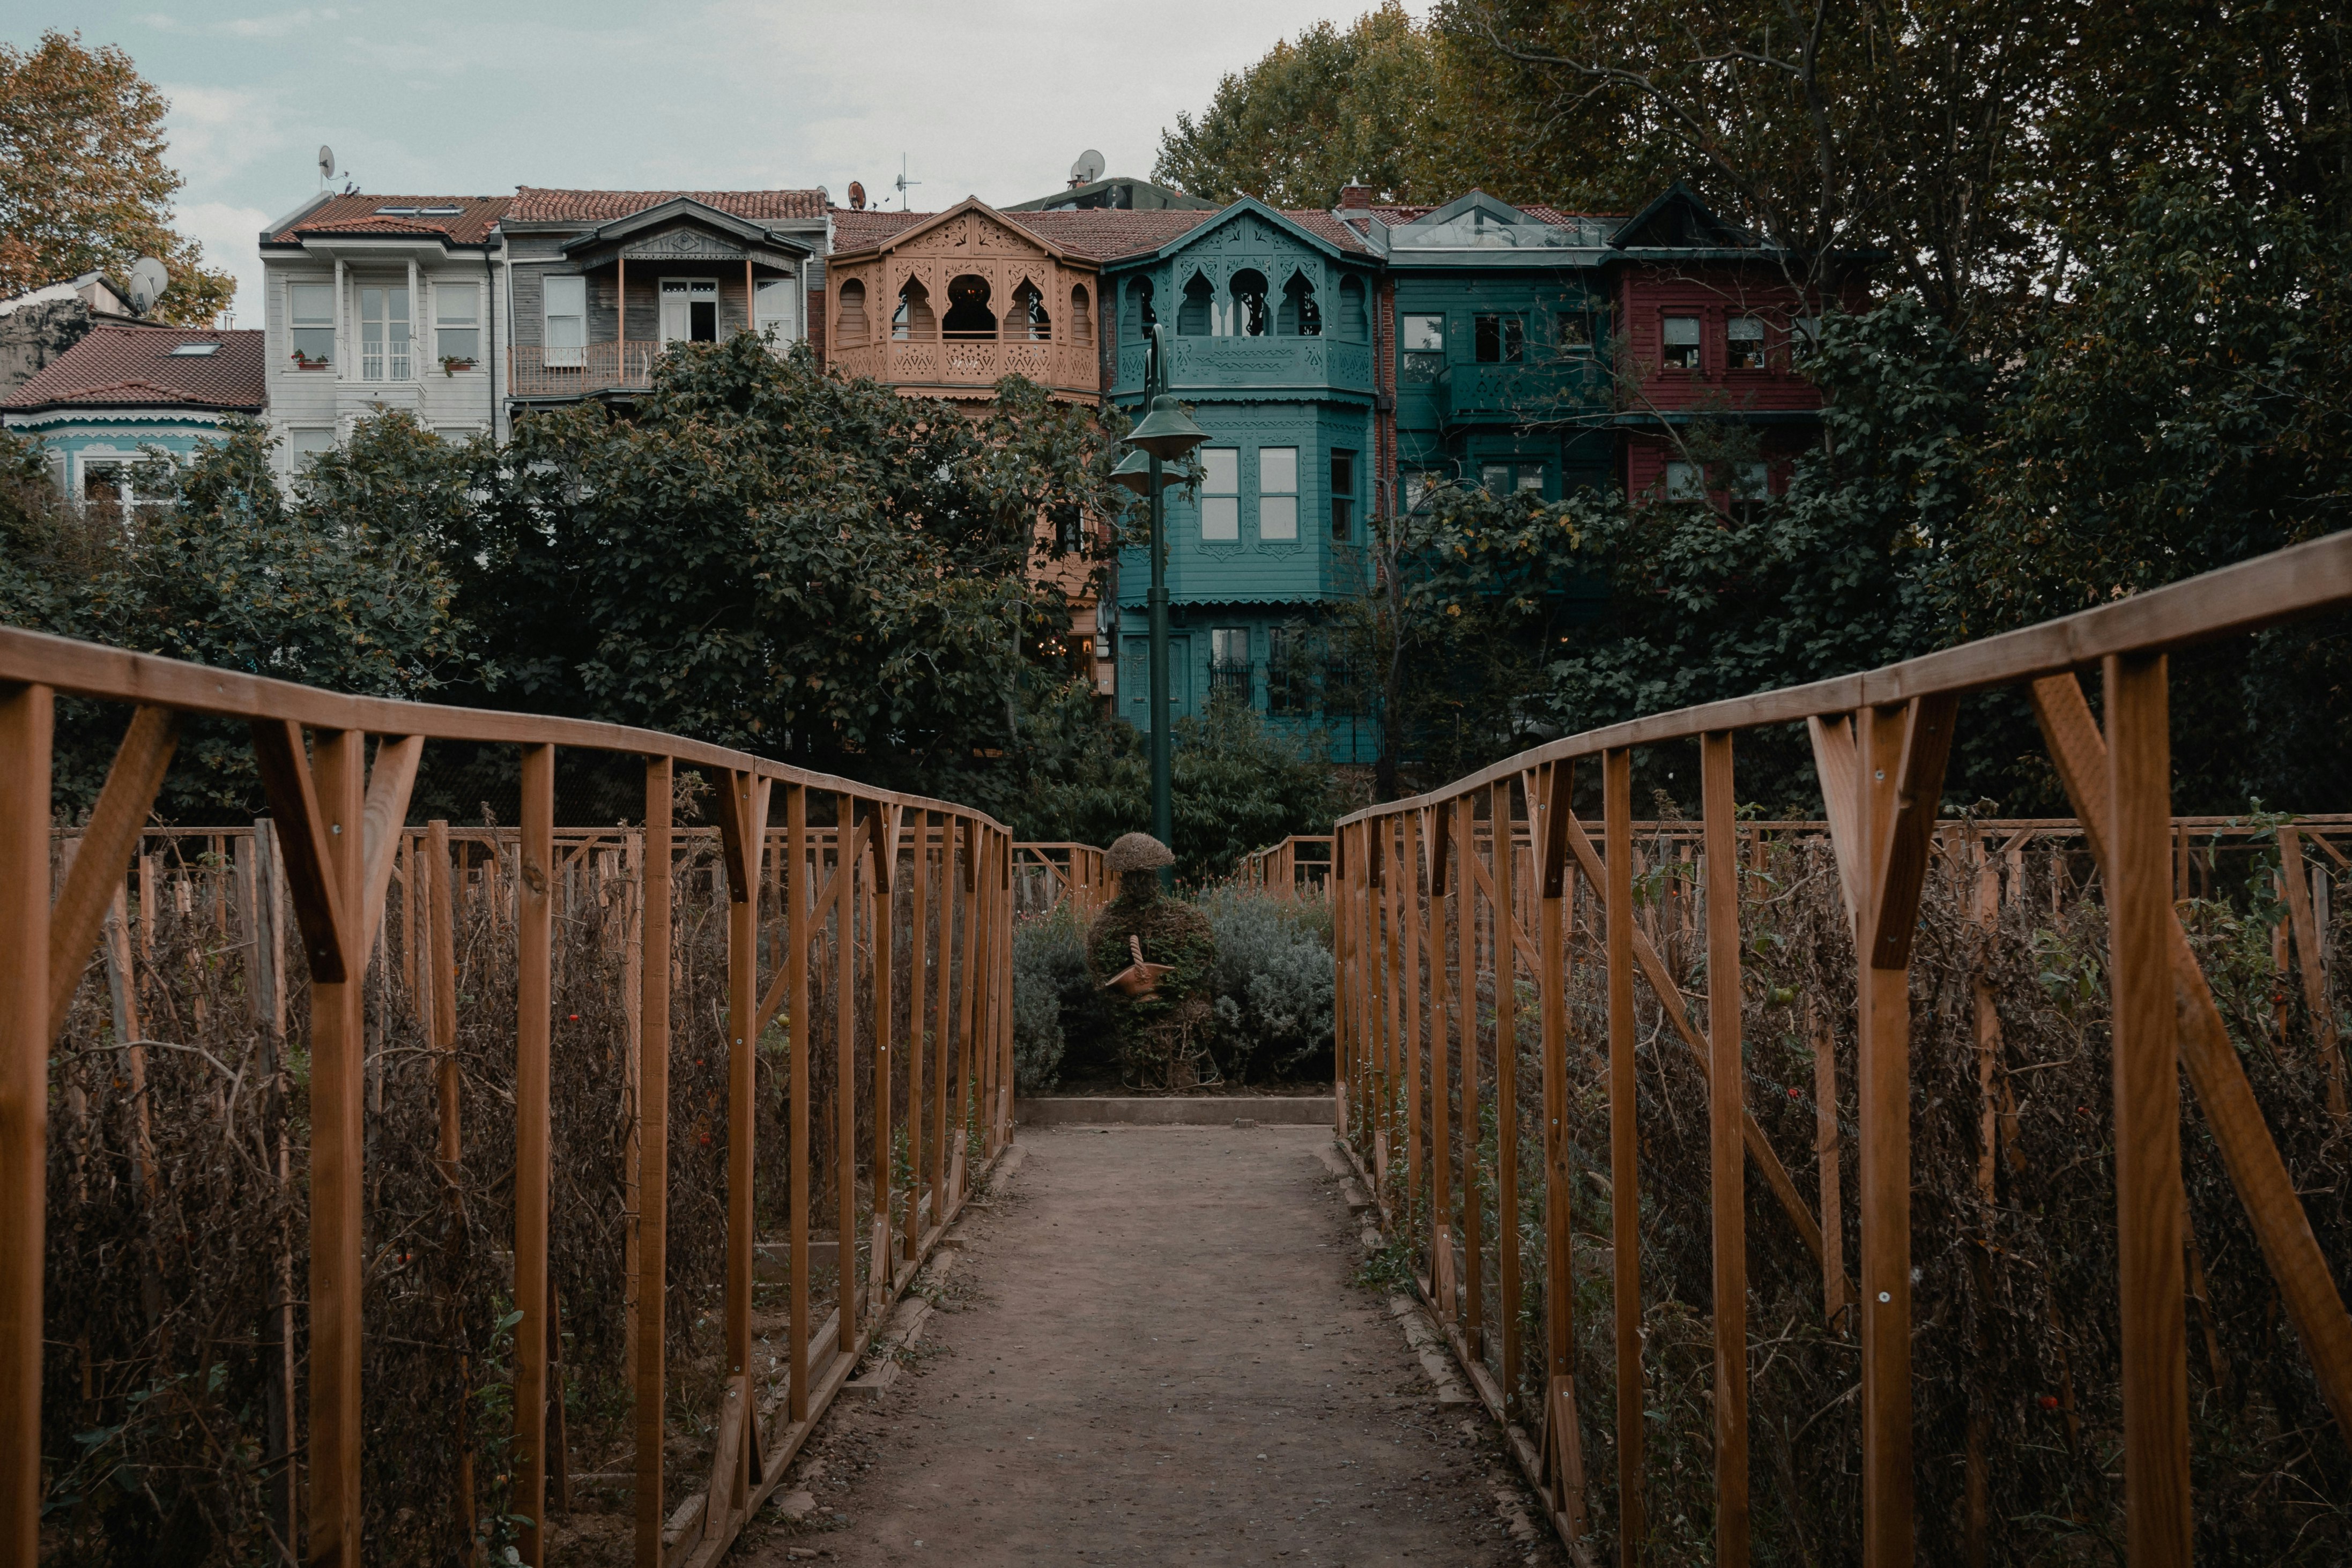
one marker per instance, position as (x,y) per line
(435,98)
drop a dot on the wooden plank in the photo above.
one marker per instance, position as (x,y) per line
(918,992)
(306,843)
(329,827)
(1506,1092)
(881,922)
(651,1401)
(1727,1105)
(844,1095)
(2313,965)
(1552,992)
(747,876)
(1506,917)
(2306,1285)
(1837,1291)
(390,782)
(2151,1278)
(1625,1171)
(1415,1059)
(1441,1078)
(1465,920)
(797,881)
(1836,766)
(534,1021)
(943,1040)
(109,841)
(1926,744)
(27,726)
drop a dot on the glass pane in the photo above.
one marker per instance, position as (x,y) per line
(1514,341)
(1531,476)
(314,345)
(1220,517)
(1495,477)
(1745,327)
(1278,470)
(397,298)
(460,342)
(312,304)
(1681,329)
(1425,334)
(566,296)
(1683,482)
(458,307)
(372,311)
(1343,473)
(1223,469)
(1749,483)
(1278,517)
(1487,335)
(1229,644)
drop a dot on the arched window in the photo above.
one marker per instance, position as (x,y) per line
(1140,315)
(1082,316)
(851,330)
(1194,317)
(1250,320)
(1299,316)
(1352,322)
(968,312)
(1029,319)
(913,320)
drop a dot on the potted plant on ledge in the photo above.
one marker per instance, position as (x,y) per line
(452,363)
(303,361)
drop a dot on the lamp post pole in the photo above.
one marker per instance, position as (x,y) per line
(1166,432)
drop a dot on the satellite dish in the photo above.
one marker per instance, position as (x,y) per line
(857,195)
(1089,168)
(148,281)
(326,161)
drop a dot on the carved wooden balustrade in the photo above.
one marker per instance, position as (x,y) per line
(839,903)
(1483,930)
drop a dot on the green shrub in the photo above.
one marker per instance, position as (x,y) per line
(1055,1002)
(1272,981)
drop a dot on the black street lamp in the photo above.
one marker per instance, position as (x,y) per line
(1166,433)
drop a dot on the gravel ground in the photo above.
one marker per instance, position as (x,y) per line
(1151,1352)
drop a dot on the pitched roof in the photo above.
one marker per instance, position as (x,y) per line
(853,230)
(1102,234)
(470,224)
(536,203)
(1395,216)
(127,366)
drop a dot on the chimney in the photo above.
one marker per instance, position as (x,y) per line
(1354,197)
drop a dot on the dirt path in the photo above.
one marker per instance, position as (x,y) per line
(1152,1353)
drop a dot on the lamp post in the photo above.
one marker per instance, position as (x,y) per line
(1166,433)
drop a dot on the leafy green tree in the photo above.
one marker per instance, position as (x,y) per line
(83,181)
(1320,110)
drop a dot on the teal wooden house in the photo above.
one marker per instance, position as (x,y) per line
(1272,318)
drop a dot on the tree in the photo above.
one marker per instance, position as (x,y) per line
(1317,114)
(83,184)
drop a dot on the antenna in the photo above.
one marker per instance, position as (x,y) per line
(904,184)
(1088,169)
(326,163)
(148,280)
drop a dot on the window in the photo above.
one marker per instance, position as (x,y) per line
(1299,316)
(1750,482)
(1682,343)
(1805,338)
(1069,527)
(1501,339)
(777,309)
(195,351)
(1277,492)
(1249,304)
(913,320)
(1421,344)
(305,446)
(1686,482)
(1082,317)
(1229,662)
(1221,484)
(1744,339)
(1343,495)
(968,312)
(1141,314)
(1287,673)
(311,315)
(383,334)
(689,311)
(1030,318)
(456,324)
(1418,484)
(1508,477)
(564,301)
(1575,334)
(1197,310)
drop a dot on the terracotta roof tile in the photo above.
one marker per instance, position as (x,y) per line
(471,225)
(1106,234)
(1393,216)
(535,204)
(856,231)
(119,365)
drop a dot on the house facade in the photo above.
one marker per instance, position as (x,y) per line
(125,392)
(466,311)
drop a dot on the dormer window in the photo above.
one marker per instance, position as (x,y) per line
(1681,340)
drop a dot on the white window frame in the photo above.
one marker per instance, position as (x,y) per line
(441,323)
(1221,497)
(1277,495)
(296,325)
(299,456)
(786,321)
(394,359)
(563,288)
(687,292)
(1671,342)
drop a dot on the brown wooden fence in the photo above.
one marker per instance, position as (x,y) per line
(880,920)
(1484,932)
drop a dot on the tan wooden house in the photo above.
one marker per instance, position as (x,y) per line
(947,305)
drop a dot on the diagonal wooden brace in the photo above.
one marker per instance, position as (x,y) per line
(107,843)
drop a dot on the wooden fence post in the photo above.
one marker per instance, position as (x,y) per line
(26,723)
(743,842)
(653,1188)
(1441,1081)
(943,1036)
(845,1091)
(917,993)
(1465,917)
(1727,1099)
(884,896)
(534,1017)
(1624,1172)
(2149,1198)
(1507,1088)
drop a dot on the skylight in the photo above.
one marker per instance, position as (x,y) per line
(194,351)
(396,212)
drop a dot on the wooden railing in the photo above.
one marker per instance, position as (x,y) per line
(1043,875)
(880,919)
(1302,860)
(974,362)
(1487,904)
(533,371)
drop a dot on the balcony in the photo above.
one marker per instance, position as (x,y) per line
(953,366)
(1232,364)
(1508,394)
(539,371)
